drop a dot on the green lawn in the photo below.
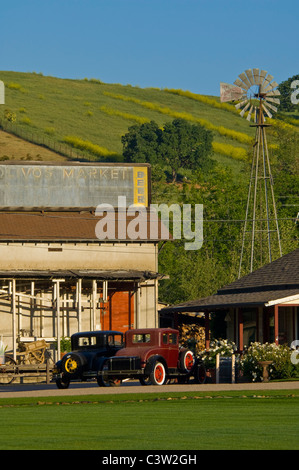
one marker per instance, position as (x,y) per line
(234,420)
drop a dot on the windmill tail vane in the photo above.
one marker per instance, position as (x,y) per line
(256,93)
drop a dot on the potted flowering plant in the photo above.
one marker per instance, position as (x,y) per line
(223,347)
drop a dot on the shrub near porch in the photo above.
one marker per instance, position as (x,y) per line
(282,366)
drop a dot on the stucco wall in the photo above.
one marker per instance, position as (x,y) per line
(39,256)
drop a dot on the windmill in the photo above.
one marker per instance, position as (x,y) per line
(256,95)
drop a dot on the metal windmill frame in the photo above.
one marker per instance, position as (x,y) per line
(256,94)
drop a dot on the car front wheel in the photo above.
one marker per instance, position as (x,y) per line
(106,381)
(62,382)
(199,374)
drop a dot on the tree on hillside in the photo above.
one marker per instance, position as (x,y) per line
(141,143)
(179,144)
(186,145)
(286,91)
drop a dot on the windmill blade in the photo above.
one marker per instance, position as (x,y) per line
(263,74)
(267,111)
(249,113)
(230,92)
(239,105)
(245,80)
(272,100)
(271,107)
(273,93)
(271,86)
(240,84)
(250,76)
(268,79)
(245,109)
(256,76)
(266,83)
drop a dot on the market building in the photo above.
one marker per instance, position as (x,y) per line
(57,277)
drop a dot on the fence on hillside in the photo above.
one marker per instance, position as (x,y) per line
(44,141)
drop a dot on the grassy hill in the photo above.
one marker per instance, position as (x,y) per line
(92,116)
(86,118)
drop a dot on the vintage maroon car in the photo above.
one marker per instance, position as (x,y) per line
(154,356)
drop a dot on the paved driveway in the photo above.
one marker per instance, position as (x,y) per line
(45,390)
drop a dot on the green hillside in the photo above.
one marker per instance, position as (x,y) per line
(59,112)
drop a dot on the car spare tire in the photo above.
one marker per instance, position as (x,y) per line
(72,364)
(186,360)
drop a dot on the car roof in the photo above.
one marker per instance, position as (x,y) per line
(97,333)
(152,330)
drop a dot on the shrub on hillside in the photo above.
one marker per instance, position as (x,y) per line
(9,115)
(130,117)
(85,145)
(238,153)
(203,99)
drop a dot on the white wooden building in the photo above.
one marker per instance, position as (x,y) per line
(56,276)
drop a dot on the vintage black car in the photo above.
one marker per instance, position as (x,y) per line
(89,350)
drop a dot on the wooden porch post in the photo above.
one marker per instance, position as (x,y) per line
(138,306)
(207,330)
(56,283)
(79,302)
(257,323)
(14,326)
(276,331)
(240,329)
(293,323)
(94,307)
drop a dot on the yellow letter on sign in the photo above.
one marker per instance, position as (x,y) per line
(140,186)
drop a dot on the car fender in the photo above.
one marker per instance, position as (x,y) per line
(99,362)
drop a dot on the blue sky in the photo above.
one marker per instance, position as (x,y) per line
(187,44)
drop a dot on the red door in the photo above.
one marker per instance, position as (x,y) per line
(119,312)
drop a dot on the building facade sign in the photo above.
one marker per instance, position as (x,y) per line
(82,186)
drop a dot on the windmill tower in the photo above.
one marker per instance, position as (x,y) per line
(256,95)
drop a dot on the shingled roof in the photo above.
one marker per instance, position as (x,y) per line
(276,280)
(67,226)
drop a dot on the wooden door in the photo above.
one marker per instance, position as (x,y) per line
(119,312)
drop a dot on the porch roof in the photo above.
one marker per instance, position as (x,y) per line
(276,282)
(108,275)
